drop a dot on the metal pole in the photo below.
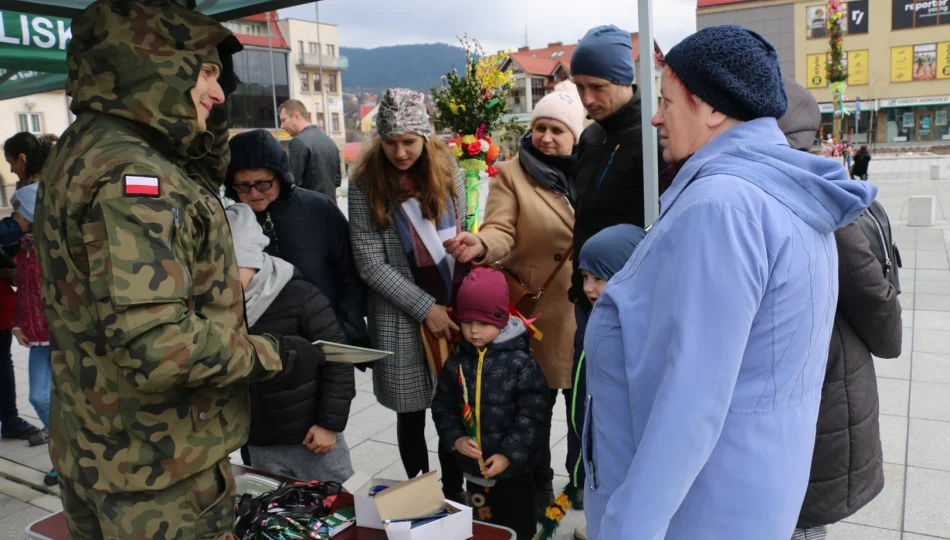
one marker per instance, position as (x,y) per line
(273,77)
(647,84)
(323,83)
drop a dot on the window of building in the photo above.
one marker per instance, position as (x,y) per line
(516,100)
(331,84)
(304,82)
(320,122)
(314,48)
(32,122)
(538,90)
(331,50)
(300,46)
(252,104)
(335,121)
(317,83)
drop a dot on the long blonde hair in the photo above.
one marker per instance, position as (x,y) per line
(434,173)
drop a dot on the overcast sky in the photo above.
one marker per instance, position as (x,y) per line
(498,24)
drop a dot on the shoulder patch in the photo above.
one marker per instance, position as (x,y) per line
(141,186)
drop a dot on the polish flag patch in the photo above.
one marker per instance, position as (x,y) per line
(146,186)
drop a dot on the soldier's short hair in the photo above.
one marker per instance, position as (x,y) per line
(295,106)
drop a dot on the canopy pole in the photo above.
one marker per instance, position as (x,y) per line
(648,101)
(273,78)
(323,83)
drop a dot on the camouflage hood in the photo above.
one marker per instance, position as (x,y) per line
(139,59)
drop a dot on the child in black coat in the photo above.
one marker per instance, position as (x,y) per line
(295,432)
(491,403)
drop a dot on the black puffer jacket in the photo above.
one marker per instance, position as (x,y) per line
(307,229)
(609,181)
(847,468)
(283,416)
(514,401)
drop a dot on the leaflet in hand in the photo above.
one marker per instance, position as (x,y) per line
(349,354)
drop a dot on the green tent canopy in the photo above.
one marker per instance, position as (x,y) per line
(222,10)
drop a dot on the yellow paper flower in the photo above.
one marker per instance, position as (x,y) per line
(563,501)
(468,139)
(454,108)
(457,150)
(554,513)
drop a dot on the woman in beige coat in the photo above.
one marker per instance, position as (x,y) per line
(528,230)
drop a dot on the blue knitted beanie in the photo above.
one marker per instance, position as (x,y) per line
(605,52)
(733,69)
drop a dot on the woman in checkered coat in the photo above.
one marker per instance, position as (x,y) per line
(405,199)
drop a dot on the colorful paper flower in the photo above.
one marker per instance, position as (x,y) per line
(492,153)
(474,148)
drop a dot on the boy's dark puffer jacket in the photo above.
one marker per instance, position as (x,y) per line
(282,416)
(514,401)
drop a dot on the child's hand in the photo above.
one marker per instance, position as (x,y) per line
(21,337)
(495,465)
(468,447)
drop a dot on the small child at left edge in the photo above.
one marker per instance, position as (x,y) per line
(507,396)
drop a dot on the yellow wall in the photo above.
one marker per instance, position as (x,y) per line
(878,42)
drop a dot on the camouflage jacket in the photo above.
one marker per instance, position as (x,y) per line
(150,351)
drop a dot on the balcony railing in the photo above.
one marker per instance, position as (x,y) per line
(322,60)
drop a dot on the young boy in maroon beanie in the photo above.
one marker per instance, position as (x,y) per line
(507,394)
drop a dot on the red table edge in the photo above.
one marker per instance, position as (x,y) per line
(240,470)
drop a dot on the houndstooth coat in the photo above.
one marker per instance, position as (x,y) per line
(396,305)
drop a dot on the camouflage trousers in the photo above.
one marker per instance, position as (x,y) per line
(201,506)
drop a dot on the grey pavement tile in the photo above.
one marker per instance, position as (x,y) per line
(373,457)
(932,260)
(396,471)
(907,286)
(894,438)
(907,301)
(909,258)
(930,287)
(18,491)
(932,320)
(48,503)
(930,401)
(931,246)
(930,234)
(929,445)
(893,396)
(928,501)
(367,423)
(848,531)
(362,401)
(41,462)
(930,367)
(932,341)
(9,505)
(907,275)
(893,368)
(912,536)
(931,275)
(14,526)
(885,510)
(931,302)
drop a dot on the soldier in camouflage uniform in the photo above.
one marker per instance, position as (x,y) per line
(150,351)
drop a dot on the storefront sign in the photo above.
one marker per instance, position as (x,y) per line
(902,63)
(943,60)
(925,62)
(914,102)
(919,13)
(828,108)
(817,70)
(34,43)
(857,67)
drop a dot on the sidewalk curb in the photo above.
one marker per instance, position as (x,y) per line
(26,477)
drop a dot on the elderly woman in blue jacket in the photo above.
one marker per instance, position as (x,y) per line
(706,353)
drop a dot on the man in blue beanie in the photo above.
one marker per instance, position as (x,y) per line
(610,156)
(609,181)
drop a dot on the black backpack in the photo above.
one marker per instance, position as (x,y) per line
(877,227)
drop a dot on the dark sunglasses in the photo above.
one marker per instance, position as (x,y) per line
(259,186)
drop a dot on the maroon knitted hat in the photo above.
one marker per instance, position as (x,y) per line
(483,297)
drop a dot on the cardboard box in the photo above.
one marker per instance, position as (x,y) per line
(419,497)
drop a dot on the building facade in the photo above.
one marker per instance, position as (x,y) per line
(39,114)
(316,73)
(897,54)
(262,68)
